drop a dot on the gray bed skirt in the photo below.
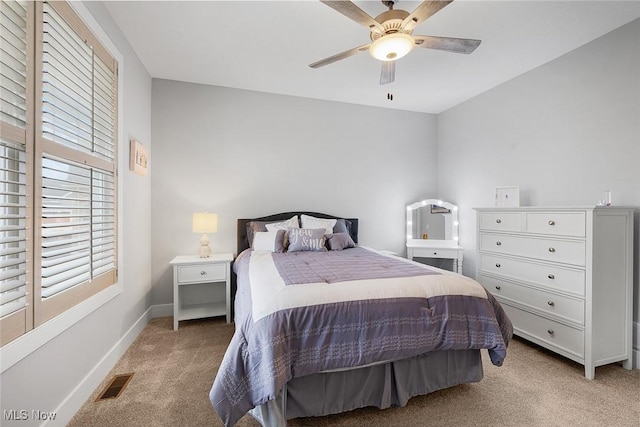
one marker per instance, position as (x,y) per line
(382,386)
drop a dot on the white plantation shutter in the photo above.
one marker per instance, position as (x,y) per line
(66,226)
(78,225)
(67,64)
(105,96)
(13,62)
(16,151)
(58,157)
(103,227)
(78,91)
(13,247)
(77,152)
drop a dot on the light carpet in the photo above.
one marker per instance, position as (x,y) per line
(174,370)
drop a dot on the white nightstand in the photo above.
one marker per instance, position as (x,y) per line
(201,287)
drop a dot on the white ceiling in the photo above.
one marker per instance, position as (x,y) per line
(267,45)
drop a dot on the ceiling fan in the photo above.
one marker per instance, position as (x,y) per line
(392,36)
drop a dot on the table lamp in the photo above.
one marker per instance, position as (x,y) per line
(204,222)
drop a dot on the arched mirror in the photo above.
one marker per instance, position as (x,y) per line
(432,231)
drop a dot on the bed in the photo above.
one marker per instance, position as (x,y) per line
(325,326)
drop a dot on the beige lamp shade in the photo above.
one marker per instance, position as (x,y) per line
(204,222)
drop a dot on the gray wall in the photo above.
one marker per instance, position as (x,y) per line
(563,132)
(244,154)
(55,373)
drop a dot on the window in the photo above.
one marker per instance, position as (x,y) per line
(58,157)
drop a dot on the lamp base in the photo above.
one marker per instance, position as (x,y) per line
(204,251)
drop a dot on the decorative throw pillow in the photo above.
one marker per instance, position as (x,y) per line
(254,227)
(342,226)
(284,225)
(272,241)
(313,222)
(340,241)
(305,239)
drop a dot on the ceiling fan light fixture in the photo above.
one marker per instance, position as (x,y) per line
(392,46)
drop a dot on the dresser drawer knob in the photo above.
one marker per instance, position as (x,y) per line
(552,222)
(551,303)
(497,288)
(498,221)
(550,331)
(203,273)
(552,250)
(435,253)
(498,265)
(498,243)
(551,276)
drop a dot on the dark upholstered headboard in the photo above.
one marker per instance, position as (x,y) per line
(242,242)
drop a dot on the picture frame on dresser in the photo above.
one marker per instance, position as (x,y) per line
(508,196)
(564,276)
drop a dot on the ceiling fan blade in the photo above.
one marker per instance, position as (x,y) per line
(426,9)
(388,72)
(340,56)
(354,13)
(449,44)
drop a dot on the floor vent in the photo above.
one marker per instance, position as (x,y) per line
(115,387)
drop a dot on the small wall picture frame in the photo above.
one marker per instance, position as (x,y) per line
(508,196)
(138,159)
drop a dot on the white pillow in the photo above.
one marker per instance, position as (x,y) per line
(272,241)
(284,225)
(313,222)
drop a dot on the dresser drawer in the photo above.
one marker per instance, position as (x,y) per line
(202,273)
(565,251)
(552,277)
(571,309)
(501,221)
(556,223)
(551,333)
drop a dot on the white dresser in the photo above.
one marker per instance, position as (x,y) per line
(564,277)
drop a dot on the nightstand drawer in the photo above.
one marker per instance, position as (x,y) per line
(571,309)
(558,335)
(557,223)
(202,273)
(550,276)
(501,221)
(564,251)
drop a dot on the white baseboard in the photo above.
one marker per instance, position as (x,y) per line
(161,310)
(74,401)
(636,345)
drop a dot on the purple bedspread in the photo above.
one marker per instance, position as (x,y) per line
(341,266)
(265,354)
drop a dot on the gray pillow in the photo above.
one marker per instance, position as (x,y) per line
(306,239)
(340,241)
(342,226)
